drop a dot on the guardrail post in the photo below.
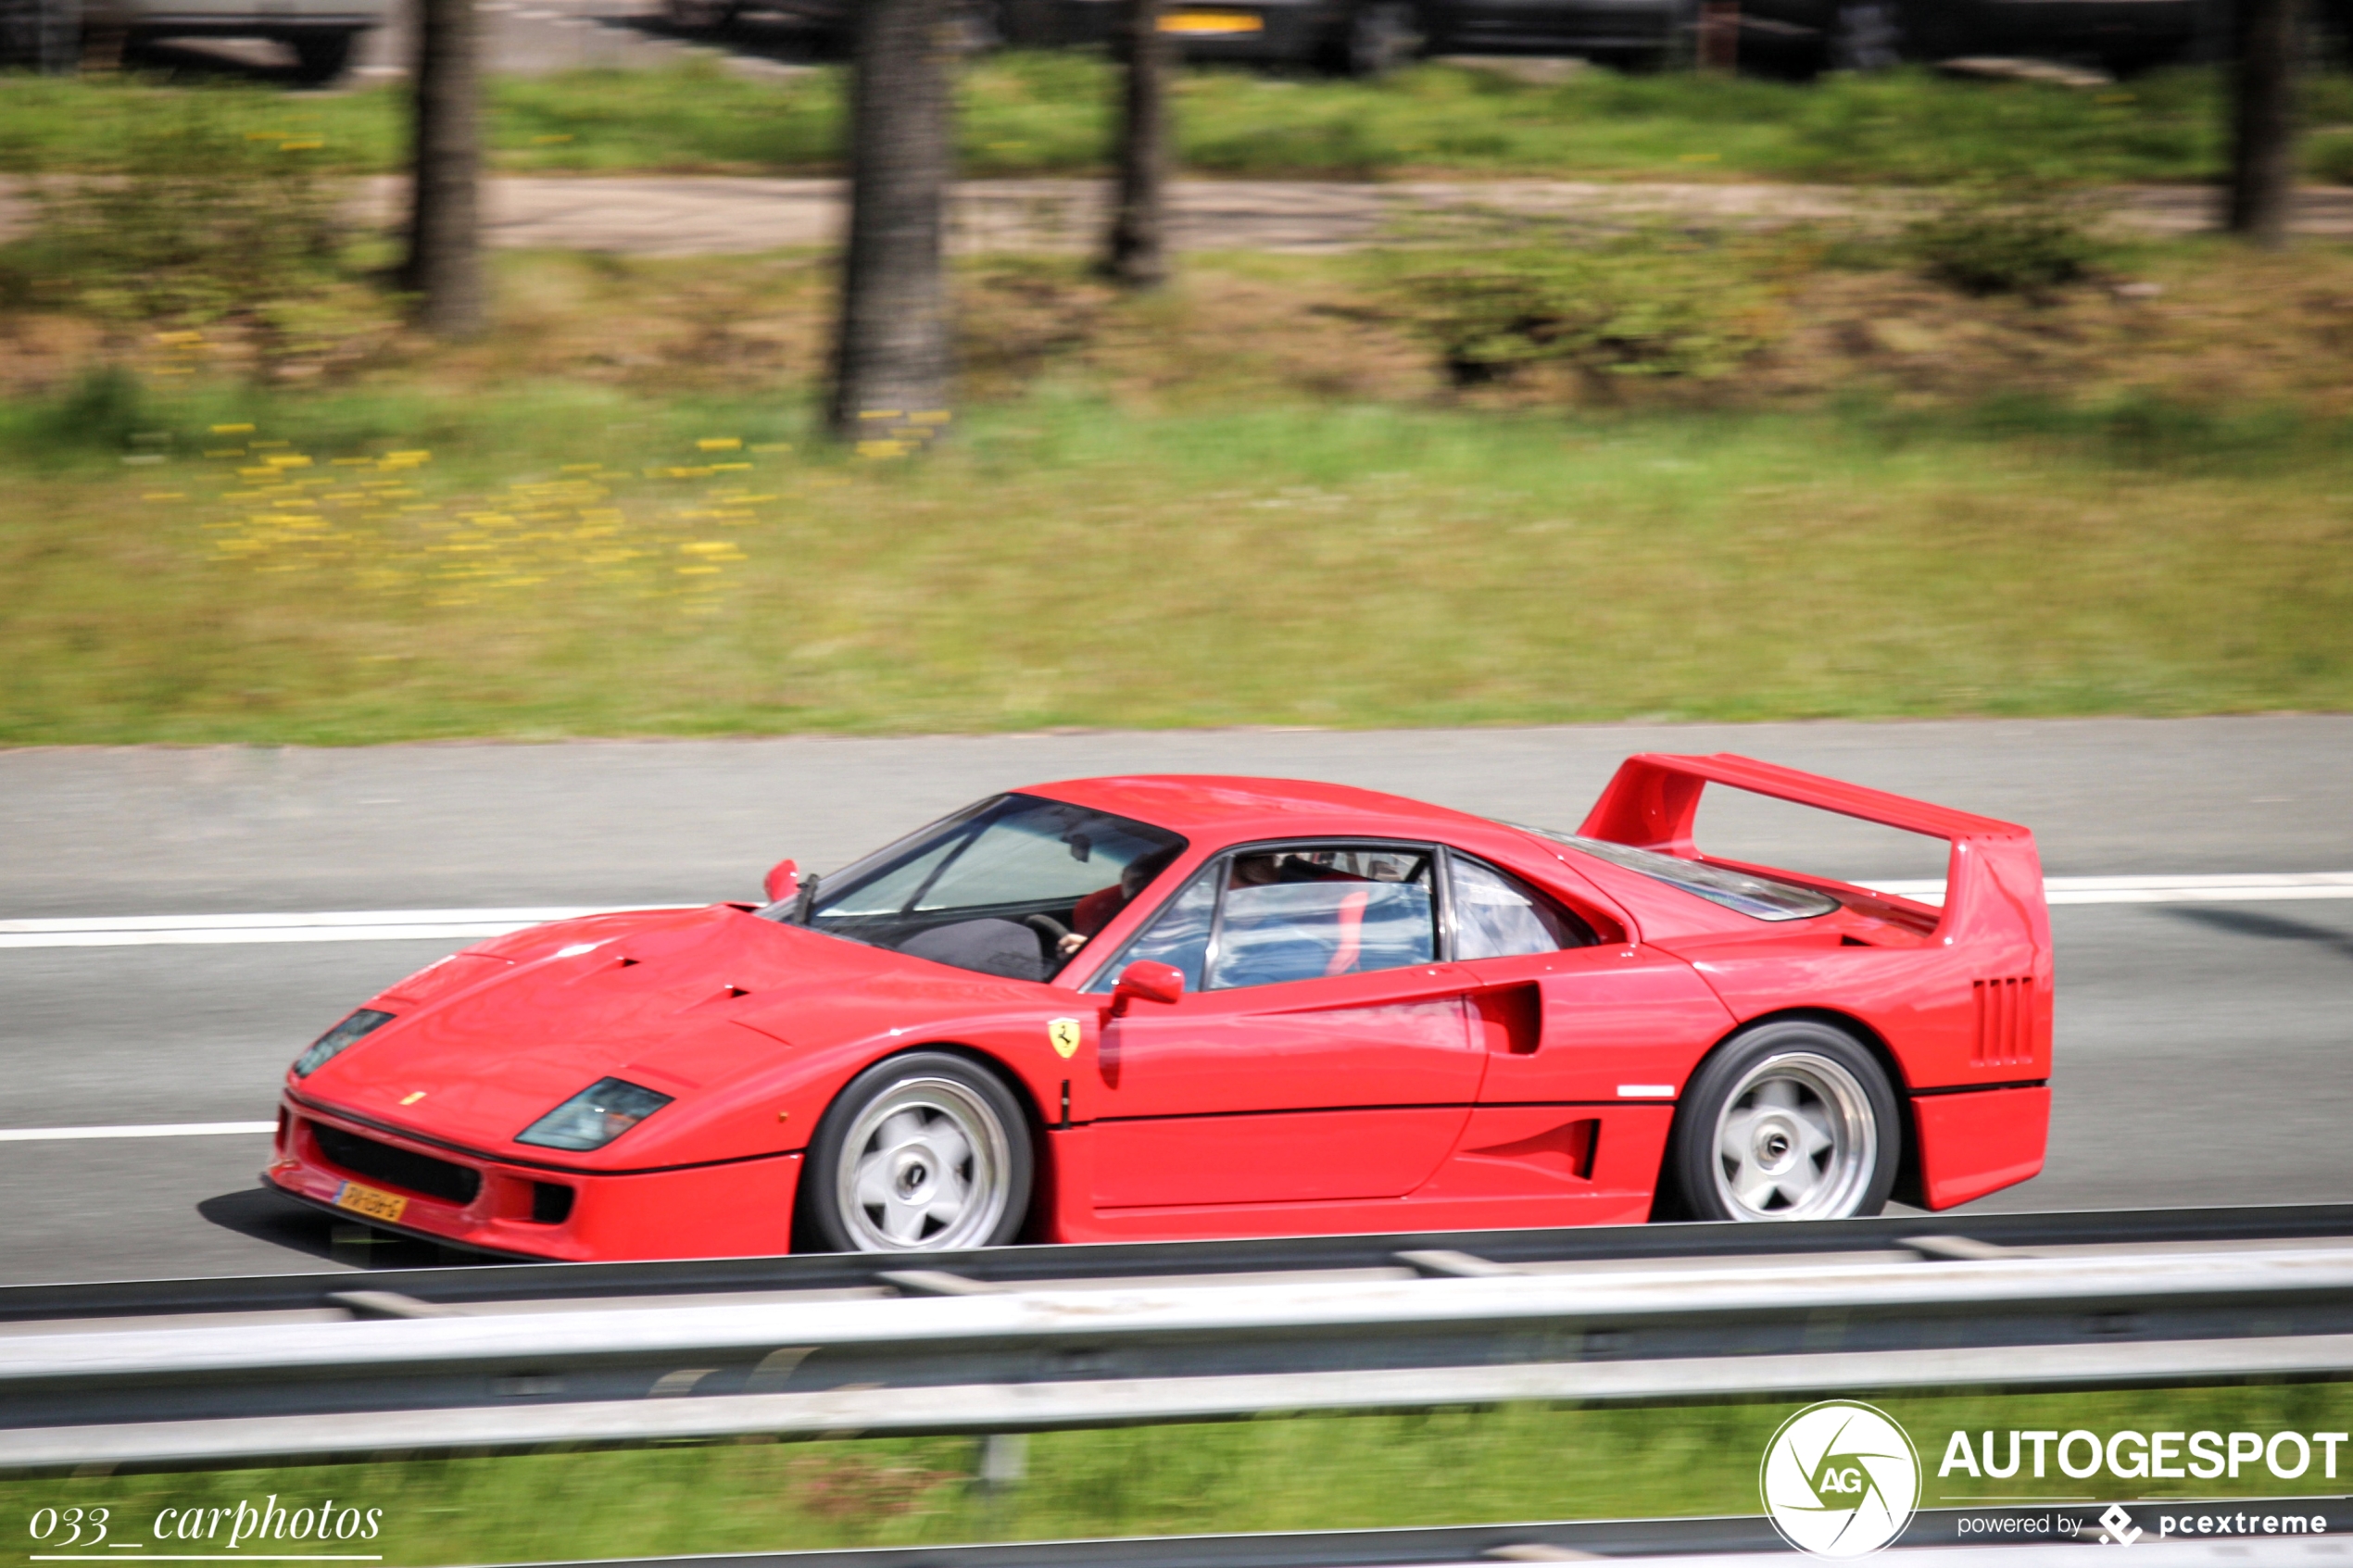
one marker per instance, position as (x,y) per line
(1004,1460)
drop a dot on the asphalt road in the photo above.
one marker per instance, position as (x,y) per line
(2202,1050)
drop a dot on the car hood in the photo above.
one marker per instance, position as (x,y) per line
(681,1002)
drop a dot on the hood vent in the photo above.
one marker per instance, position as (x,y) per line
(2005,1036)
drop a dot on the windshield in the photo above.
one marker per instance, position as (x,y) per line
(1014,886)
(1756,897)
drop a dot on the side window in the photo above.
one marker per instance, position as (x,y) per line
(1311,913)
(1177,936)
(1498,916)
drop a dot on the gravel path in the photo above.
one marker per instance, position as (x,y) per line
(699,215)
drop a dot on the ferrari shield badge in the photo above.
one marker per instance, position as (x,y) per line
(1064,1031)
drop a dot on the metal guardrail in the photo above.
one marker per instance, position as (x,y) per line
(216,1372)
(546,1282)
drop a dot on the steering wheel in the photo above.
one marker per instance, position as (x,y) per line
(1051,932)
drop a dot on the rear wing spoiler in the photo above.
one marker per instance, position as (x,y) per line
(1994,876)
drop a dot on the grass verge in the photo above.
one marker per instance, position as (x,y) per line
(1051,113)
(1444,1467)
(379,566)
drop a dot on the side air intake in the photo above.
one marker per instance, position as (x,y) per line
(2004,1035)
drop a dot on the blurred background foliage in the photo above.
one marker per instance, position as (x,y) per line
(1047,113)
(1967,445)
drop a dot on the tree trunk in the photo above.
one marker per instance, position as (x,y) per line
(1136,252)
(892,354)
(443,266)
(2264,121)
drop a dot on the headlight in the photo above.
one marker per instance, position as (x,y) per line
(595,1116)
(336,1041)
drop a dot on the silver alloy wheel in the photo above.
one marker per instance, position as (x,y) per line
(926,1167)
(1797,1140)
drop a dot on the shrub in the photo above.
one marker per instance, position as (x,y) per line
(2328,155)
(188,214)
(2015,236)
(1639,304)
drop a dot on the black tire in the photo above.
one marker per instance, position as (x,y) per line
(697,17)
(1793,1081)
(1378,37)
(2125,64)
(979,28)
(997,1169)
(1634,62)
(320,58)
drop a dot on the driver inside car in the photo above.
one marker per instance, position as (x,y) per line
(1097,909)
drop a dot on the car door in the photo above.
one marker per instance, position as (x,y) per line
(1588,1043)
(1321,1052)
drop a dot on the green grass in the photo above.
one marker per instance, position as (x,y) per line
(1049,113)
(1064,562)
(1445,1467)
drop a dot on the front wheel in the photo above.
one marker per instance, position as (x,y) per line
(925,1152)
(698,17)
(1792,1121)
(1380,36)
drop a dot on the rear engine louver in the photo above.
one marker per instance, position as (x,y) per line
(2005,1023)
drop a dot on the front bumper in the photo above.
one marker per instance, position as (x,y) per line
(741,1208)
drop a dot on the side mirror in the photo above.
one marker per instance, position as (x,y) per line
(784,881)
(1146,980)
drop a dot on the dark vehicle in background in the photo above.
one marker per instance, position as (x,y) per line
(1369,38)
(1635,35)
(1362,38)
(320,34)
(2122,37)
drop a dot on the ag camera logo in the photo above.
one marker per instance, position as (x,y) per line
(1840,1479)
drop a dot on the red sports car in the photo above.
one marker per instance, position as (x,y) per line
(1184,1007)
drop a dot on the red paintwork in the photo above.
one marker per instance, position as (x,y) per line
(1973,1144)
(1522,1091)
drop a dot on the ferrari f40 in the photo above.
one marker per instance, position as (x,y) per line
(1167,1007)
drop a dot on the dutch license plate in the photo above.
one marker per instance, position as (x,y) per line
(385,1206)
(1212,24)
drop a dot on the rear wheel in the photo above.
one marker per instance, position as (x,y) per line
(320,58)
(1793,1120)
(925,1152)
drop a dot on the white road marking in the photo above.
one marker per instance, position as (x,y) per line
(148,1130)
(357,925)
(419,925)
(2239,888)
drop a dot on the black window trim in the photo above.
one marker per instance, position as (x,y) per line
(1442,936)
(902,850)
(1560,906)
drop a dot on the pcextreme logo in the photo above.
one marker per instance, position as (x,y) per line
(1840,1479)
